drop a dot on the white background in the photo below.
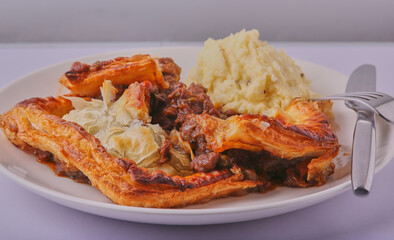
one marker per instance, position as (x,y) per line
(195,20)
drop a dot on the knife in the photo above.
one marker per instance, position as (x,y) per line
(363,79)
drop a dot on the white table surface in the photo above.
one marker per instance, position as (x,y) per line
(24,215)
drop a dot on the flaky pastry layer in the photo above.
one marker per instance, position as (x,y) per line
(85,80)
(37,123)
(300,131)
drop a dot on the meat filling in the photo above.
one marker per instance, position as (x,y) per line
(171,106)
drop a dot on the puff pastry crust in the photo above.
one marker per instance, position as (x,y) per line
(37,123)
(85,80)
(301,131)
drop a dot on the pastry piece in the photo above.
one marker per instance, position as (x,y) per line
(299,132)
(85,80)
(37,123)
(135,103)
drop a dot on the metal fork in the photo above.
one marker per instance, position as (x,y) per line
(380,103)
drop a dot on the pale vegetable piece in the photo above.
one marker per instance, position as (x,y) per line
(123,129)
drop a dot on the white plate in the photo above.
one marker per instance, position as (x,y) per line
(26,171)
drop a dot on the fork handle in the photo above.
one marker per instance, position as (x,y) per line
(363,152)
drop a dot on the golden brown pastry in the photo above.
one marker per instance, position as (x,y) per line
(301,131)
(85,80)
(37,123)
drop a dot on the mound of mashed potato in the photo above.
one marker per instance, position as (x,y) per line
(246,75)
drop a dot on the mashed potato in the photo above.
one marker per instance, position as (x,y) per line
(247,75)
